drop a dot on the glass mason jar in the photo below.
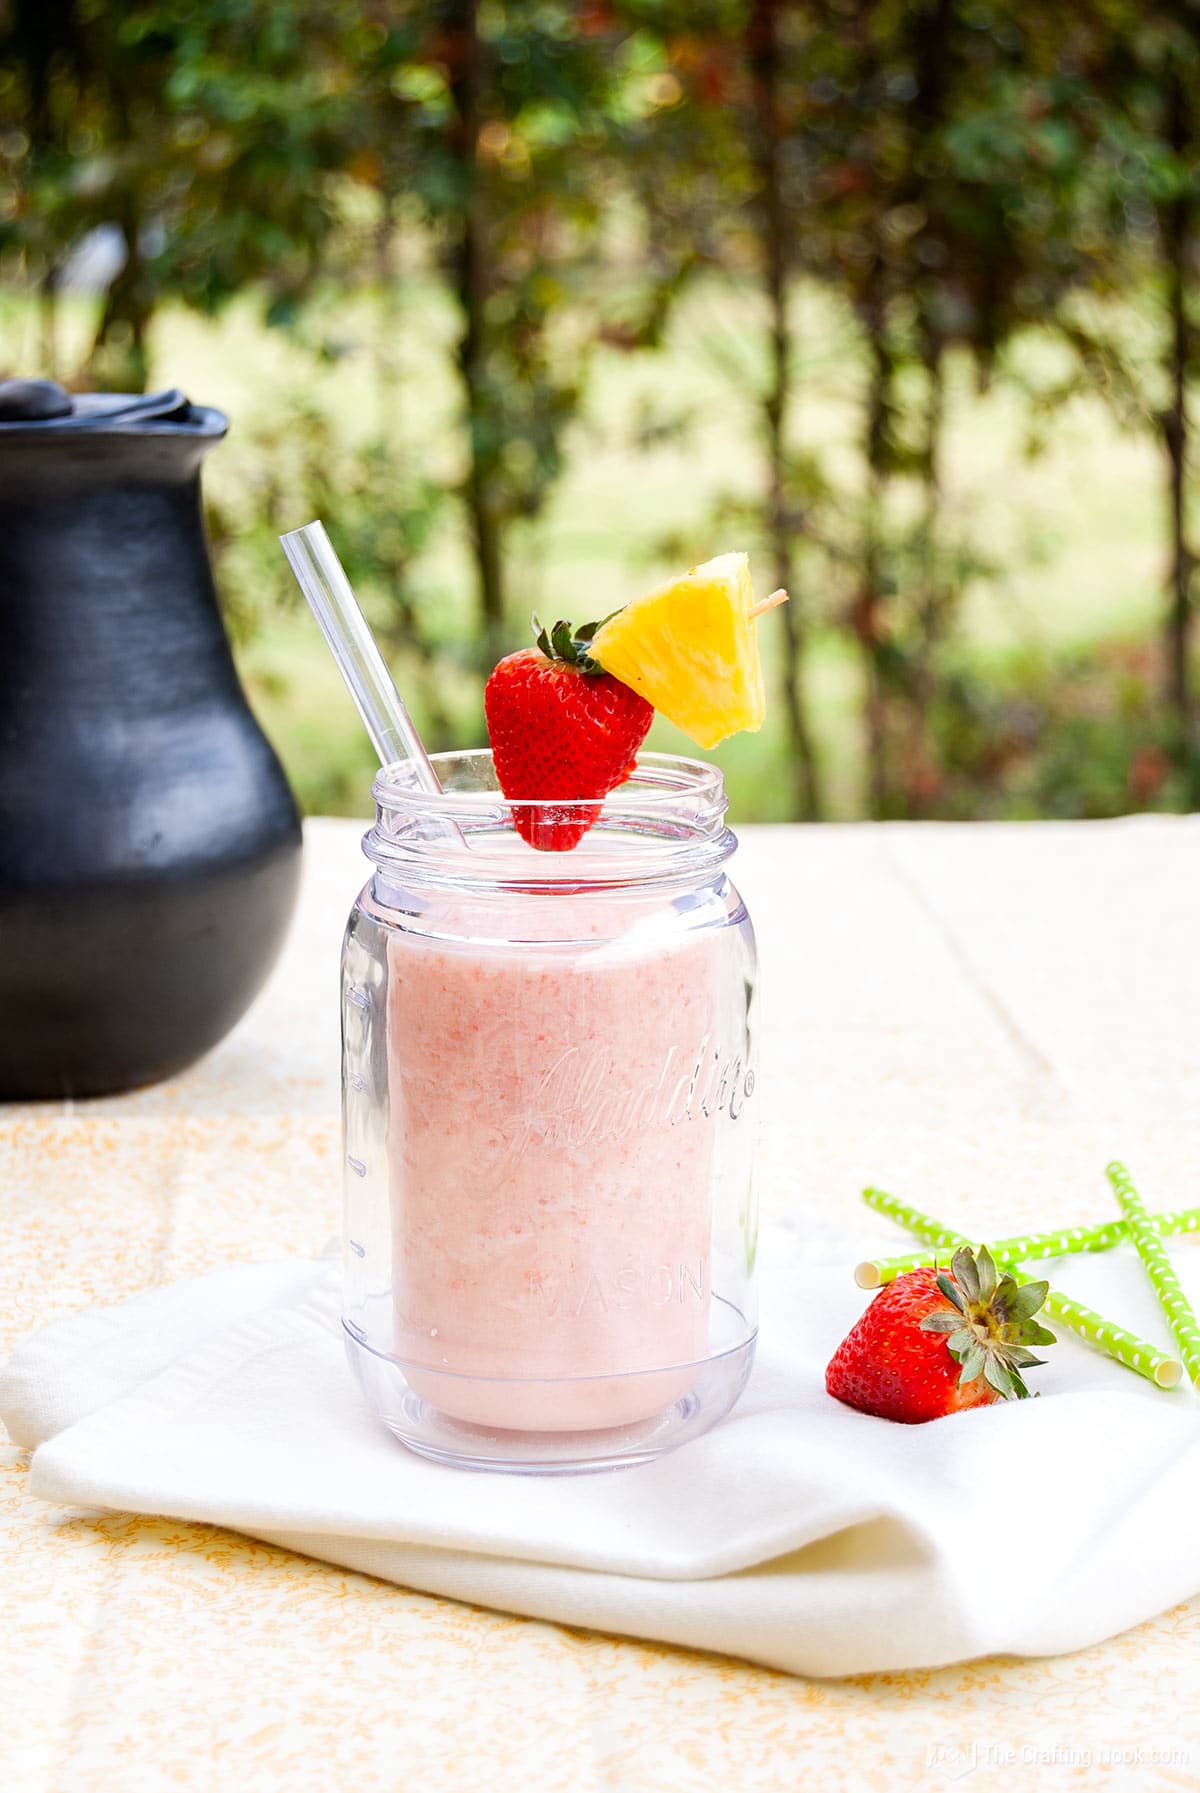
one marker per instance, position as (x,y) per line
(548,1082)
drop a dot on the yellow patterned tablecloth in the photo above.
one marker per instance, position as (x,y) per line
(976,1016)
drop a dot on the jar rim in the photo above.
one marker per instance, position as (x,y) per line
(665,823)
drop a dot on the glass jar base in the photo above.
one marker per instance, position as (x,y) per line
(417,1422)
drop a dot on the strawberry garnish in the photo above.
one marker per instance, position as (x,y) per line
(933,1342)
(562,730)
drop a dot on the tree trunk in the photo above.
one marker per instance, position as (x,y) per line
(48,322)
(129,301)
(933,597)
(931,480)
(932,43)
(469,276)
(869,620)
(763,45)
(403,631)
(127,307)
(1176,230)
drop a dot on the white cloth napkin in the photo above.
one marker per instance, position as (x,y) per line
(798,1533)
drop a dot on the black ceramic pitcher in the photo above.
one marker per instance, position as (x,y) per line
(149,844)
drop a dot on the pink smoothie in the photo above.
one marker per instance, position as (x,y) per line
(552,1114)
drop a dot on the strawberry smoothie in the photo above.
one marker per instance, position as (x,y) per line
(550,1158)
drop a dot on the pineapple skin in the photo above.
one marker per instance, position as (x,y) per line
(689,647)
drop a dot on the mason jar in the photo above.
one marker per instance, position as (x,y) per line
(548,1118)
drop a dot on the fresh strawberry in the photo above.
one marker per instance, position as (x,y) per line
(933,1342)
(561,728)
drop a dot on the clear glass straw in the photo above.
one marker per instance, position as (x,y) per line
(322,578)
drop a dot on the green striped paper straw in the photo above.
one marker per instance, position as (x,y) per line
(1125,1347)
(1175,1305)
(1024,1248)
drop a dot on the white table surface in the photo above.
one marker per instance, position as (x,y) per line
(976,1017)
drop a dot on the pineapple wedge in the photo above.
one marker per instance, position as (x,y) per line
(690,648)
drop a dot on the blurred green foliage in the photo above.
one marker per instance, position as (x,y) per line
(516,188)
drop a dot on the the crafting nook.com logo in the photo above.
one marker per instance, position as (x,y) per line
(955,1761)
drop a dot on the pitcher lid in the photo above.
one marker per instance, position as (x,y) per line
(45,406)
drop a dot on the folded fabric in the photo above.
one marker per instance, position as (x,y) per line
(798,1533)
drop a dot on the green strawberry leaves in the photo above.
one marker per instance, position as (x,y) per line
(951,1291)
(1028,1298)
(989,1324)
(568,644)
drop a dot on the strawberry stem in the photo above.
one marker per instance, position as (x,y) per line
(568,645)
